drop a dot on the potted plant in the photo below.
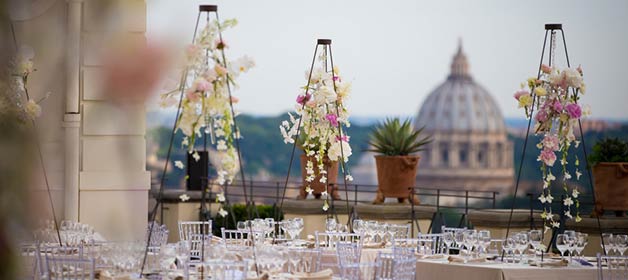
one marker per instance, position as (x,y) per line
(396,143)
(319,118)
(610,172)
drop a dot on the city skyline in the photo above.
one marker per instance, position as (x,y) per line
(408,51)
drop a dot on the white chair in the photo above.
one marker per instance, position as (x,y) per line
(408,245)
(69,268)
(348,255)
(612,267)
(454,245)
(159,235)
(197,241)
(430,244)
(187,228)
(330,239)
(45,250)
(29,262)
(221,269)
(304,260)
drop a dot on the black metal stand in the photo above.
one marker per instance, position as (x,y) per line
(550,29)
(202,9)
(326,43)
(415,221)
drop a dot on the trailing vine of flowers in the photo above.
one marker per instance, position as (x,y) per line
(322,112)
(206,105)
(555,97)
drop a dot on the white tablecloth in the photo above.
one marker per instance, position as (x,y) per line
(441,269)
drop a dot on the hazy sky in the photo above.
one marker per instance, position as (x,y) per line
(397,52)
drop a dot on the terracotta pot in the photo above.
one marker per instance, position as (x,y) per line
(611,186)
(316,185)
(395,176)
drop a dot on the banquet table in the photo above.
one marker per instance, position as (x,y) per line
(442,269)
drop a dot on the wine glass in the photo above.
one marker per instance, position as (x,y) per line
(509,247)
(581,242)
(484,240)
(298,226)
(241,226)
(522,241)
(536,237)
(562,244)
(459,238)
(182,250)
(448,239)
(357,226)
(330,225)
(621,242)
(607,243)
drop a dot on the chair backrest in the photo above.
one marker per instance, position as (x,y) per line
(330,239)
(159,235)
(358,271)
(612,267)
(304,260)
(221,269)
(69,268)
(384,266)
(196,244)
(409,245)
(45,250)
(393,266)
(29,261)
(398,231)
(430,244)
(187,228)
(348,252)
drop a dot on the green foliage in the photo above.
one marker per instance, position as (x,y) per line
(239,212)
(609,150)
(393,138)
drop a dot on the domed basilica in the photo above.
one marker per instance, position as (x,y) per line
(470,147)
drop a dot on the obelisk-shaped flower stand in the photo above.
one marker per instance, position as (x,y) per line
(551,30)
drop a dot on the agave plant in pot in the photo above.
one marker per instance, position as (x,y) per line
(396,144)
(610,171)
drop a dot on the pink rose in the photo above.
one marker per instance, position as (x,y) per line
(520,93)
(203,85)
(192,96)
(547,156)
(550,142)
(546,69)
(573,110)
(333,119)
(234,99)
(344,138)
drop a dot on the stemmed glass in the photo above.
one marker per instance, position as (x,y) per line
(562,244)
(621,242)
(469,240)
(459,238)
(509,247)
(522,242)
(182,251)
(298,226)
(536,236)
(572,238)
(358,226)
(484,240)
(330,225)
(607,243)
(581,241)
(448,239)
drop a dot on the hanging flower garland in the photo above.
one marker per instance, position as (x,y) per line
(557,93)
(322,110)
(206,103)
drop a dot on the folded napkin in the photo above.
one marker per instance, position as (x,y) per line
(106,275)
(430,257)
(319,275)
(374,245)
(550,263)
(456,259)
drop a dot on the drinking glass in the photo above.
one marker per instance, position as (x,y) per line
(459,238)
(241,226)
(358,227)
(330,225)
(448,239)
(509,247)
(484,240)
(581,242)
(536,237)
(522,240)
(298,226)
(607,243)
(562,244)
(182,251)
(621,242)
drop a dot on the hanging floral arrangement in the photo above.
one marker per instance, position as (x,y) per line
(555,96)
(206,105)
(322,112)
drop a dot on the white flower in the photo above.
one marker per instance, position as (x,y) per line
(220,197)
(549,198)
(349,178)
(573,77)
(555,224)
(219,133)
(222,145)
(196,156)
(568,201)
(33,110)
(179,164)
(222,212)
(567,176)
(335,151)
(323,179)
(578,174)
(309,190)
(543,199)
(568,214)
(325,206)
(575,193)
(324,194)
(551,177)
(167,101)
(185,141)
(184,197)
(325,95)
(546,184)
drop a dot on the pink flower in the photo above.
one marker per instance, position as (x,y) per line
(547,156)
(220,70)
(546,69)
(193,96)
(336,78)
(203,85)
(302,99)
(520,93)
(574,110)
(541,116)
(344,138)
(557,106)
(550,142)
(333,119)
(234,99)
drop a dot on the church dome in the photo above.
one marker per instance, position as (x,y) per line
(460,104)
